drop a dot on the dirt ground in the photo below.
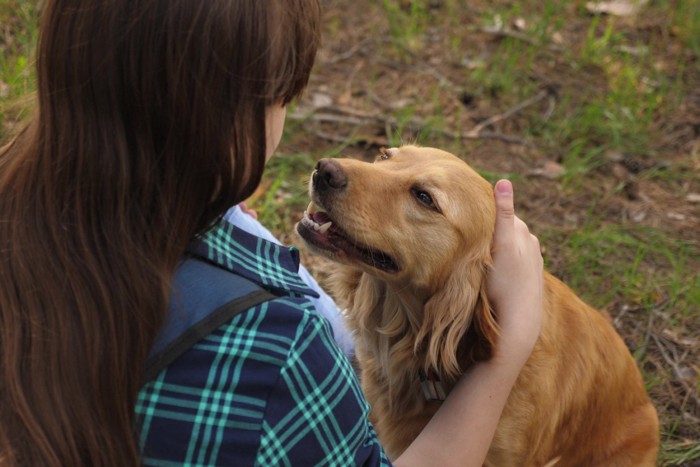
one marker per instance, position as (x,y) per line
(367,92)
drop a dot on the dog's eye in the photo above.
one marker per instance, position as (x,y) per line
(424,197)
(384,154)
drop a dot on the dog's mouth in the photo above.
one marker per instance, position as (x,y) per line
(322,233)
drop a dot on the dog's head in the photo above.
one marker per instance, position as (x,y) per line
(419,219)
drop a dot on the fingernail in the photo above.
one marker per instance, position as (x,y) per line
(504,187)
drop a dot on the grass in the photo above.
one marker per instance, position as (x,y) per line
(618,263)
(406,29)
(285,185)
(686,24)
(620,86)
(17,39)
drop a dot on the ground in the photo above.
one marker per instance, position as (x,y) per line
(596,119)
(594,115)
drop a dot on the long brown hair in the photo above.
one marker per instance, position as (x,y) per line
(150,124)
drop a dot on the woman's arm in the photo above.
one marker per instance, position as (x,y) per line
(461,432)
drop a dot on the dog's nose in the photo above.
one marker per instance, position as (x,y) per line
(329,176)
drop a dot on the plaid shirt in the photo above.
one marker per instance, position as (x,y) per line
(270,387)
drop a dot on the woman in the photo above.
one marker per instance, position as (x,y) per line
(154,118)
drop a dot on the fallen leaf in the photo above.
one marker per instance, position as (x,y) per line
(319,100)
(549,169)
(685,341)
(638,51)
(558,38)
(684,372)
(520,24)
(638,216)
(616,7)
(691,418)
(676,216)
(614,156)
(345,98)
(473,63)
(620,172)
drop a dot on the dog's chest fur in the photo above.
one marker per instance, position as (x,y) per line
(390,366)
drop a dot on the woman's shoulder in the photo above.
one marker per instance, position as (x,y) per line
(266,333)
(239,379)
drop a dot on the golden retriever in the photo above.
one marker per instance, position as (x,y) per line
(411,234)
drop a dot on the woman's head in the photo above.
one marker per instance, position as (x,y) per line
(151,122)
(182,85)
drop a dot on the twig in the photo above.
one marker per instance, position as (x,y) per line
(329,118)
(347,54)
(489,135)
(552,101)
(442,80)
(333,138)
(503,32)
(358,117)
(649,330)
(676,369)
(474,132)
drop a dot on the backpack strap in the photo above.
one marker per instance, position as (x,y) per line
(203,297)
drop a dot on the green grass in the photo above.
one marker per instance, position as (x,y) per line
(679,453)
(497,79)
(17,78)
(407,21)
(287,194)
(686,24)
(612,263)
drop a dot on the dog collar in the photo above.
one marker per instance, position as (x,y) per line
(433,389)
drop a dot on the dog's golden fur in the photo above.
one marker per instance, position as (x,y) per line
(580,399)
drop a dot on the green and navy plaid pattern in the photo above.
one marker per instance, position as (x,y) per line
(267,263)
(268,388)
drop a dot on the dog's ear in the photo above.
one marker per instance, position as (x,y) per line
(458,322)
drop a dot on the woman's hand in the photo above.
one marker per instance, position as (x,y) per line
(515,281)
(244,207)
(461,431)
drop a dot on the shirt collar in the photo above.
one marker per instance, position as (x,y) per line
(273,266)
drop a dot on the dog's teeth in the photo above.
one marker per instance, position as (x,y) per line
(307,221)
(316,227)
(313,209)
(324,228)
